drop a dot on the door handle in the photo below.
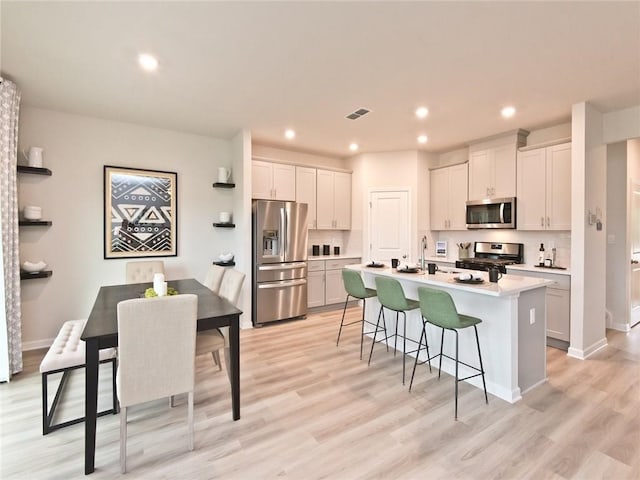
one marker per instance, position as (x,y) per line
(634,262)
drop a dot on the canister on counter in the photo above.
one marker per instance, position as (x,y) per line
(326,249)
(315,249)
(336,250)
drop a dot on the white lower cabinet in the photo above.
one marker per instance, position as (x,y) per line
(558,299)
(324,281)
(315,287)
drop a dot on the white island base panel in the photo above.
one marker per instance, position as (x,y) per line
(512,333)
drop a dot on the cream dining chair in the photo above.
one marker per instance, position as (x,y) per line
(142,272)
(156,353)
(214,277)
(212,341)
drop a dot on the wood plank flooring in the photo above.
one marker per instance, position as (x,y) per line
(311,411)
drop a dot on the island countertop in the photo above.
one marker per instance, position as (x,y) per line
(512,332)
(508,285)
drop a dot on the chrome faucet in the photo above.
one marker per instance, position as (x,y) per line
(423,247)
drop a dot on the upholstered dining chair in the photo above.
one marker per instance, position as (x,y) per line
(156,353)
(212,341)
(214,277)
(142,272)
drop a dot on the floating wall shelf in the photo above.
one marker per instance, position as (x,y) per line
(35,223)
(225,225)
(224,185)
(34,170)
(24,275)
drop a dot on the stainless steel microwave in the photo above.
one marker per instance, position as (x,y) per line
(491,213)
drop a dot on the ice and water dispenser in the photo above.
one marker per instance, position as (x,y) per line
(270,242)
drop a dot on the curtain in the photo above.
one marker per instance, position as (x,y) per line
(11,335)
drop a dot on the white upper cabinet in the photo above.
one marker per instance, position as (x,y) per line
(544,188)
(449,197)
(333,200)
(306,192)
(273,181)
(492,172)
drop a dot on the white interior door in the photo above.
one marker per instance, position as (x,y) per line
(389,225)
(634,228)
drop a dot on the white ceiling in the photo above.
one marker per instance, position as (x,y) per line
(267,66)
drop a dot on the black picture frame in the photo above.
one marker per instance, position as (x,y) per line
(140,213)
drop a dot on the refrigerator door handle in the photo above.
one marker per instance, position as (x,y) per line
(283,233)
(289,283)
(282,266)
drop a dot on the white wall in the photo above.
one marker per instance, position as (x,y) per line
(617,255)
(621,124)
(405,169)
(300,158)
(76,149)
(588,247)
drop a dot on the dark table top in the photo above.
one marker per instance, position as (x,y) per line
(213,310)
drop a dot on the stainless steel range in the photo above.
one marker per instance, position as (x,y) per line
(493,254)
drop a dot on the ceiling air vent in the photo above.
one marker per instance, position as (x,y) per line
(358,113)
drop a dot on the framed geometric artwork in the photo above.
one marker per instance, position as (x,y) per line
(140,213)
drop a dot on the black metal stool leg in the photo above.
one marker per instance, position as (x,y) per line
(456,408)
(404,344)
(395,337)
(375,334)
(441,346)
(344,310)
(364,306)
(484,385)
(415,364)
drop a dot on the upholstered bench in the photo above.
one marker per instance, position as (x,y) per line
(67,353)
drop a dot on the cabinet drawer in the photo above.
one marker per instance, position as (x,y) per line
(316,266)
(341,263)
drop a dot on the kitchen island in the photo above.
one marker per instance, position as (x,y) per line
(512,333)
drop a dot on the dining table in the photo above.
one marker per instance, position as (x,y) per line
(101,331)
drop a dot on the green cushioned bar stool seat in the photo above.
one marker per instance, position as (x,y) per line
(355,288)
(392,297)
(438,308)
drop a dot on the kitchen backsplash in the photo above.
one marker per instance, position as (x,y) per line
(531,240)
(333,238)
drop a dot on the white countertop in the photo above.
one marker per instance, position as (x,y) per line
(508,285)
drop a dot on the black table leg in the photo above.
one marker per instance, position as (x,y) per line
(91,405)
(234,341)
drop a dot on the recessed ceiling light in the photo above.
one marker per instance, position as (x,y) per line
(289,134)
(508,112)
(353,147)
(422,112)
(148,62)
(423,139)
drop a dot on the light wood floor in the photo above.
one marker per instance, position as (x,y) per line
(311,410)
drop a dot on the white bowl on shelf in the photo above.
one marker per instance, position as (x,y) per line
(34,267)
(226,257)
(32,212)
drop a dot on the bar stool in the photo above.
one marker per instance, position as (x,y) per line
(391,296)
(437,307)
(355,288)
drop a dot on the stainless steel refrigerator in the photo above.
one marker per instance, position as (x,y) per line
(279,261)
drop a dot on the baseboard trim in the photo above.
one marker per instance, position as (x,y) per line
(587,352)
(37,344)
(620,327)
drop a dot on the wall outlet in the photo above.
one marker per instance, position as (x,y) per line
(532,316)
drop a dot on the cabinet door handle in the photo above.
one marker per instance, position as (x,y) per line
(542,221)
(548,222)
